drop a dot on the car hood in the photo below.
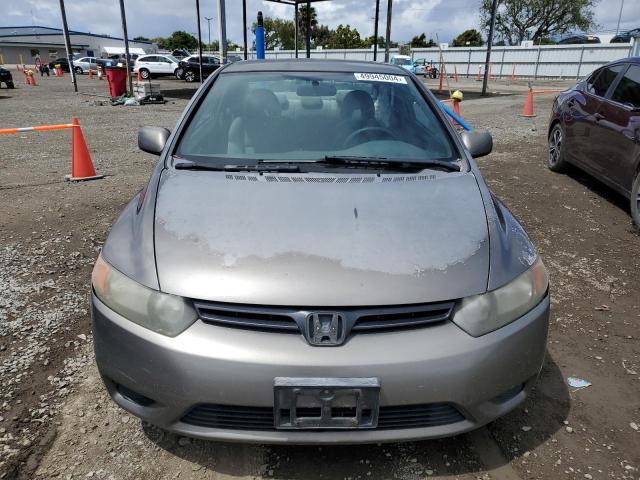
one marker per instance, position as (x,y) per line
(321,239)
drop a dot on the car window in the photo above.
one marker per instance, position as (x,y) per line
(214,60)
(170,59)
(599,84)
(628,89)
(298,116)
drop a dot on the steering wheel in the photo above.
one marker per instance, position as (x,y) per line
(370,132)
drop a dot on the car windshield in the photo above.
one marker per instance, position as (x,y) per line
(172,58)
(402,61)
(309,116)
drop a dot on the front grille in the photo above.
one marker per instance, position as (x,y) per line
(261,418)
(292,319)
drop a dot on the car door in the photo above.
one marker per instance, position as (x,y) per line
(617,129)
(210,65)
(580,117)
(167,65)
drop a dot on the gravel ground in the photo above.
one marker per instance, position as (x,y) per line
(56,420)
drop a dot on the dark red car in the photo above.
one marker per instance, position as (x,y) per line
(596,127)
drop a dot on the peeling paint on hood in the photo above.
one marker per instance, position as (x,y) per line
(319,243)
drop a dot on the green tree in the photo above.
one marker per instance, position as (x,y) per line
(419,41)
(277,33)
(322,35)
(468,38)
(345,37)
(367,42)
(518,20)
(181,39)
(303,14)
(160,41)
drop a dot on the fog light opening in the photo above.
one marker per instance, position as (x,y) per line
(134,397)
(508,394)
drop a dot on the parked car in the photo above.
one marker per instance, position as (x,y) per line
(423,67)
(84,64)
(155,65)
(596,127)
(626,36)
(63,62)
(308,265)
(579,39)
(403,61)
(234,58)
(180,53)
(183,63)
(6,78)
(191,68)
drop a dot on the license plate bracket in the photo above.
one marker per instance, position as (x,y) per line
(325,403)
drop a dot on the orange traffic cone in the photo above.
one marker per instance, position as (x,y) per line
(90,74)
(139,77)
(478,76)
(456,110)
(513,72)
(527,111)
(81,164)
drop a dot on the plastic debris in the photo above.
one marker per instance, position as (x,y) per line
(578,383)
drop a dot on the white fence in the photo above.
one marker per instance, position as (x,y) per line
(551,61)
(557,61)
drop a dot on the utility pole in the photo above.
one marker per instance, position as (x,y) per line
(222,30)
(388,36)
(199,40)
(67,44)
(244,26)
(375,32)
(126,45)
(619,16)
(485,79)
(208,19)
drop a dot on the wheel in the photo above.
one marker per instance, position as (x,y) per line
(189,76)
(10,85)
(433,73)
(635,200)
(78,70)
(556,161)
(178,73)
(144,73)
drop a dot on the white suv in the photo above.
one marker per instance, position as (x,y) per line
(155,65)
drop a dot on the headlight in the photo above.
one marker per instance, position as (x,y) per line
(489,311)
(157,311)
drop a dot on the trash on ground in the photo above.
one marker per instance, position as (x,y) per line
(578,383)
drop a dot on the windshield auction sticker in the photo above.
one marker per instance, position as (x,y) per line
(380,77)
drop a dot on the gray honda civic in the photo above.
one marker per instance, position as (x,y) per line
(317,259)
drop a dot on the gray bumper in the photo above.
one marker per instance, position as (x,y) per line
(208,364)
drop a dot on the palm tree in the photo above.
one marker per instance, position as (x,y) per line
(303,14)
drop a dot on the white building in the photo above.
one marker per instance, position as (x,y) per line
(22,44)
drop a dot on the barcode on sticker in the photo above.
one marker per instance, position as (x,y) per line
(380,77)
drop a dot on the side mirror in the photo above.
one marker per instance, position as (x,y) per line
(152,139)
(478,143)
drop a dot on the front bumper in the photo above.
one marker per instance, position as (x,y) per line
(210,364)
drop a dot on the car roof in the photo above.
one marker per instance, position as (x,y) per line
(634,60)
(313,65)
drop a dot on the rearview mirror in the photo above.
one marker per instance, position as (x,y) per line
(152,139)
(478,143)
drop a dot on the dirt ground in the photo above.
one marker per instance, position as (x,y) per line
(56,420)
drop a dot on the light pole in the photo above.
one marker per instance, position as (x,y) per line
(208,19)
(619,16)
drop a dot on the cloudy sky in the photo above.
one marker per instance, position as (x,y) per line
(153,18)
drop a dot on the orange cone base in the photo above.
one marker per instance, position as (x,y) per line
(531,115)
(69,178)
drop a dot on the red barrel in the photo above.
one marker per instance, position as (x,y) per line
(117,80)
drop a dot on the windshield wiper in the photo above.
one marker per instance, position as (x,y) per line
(387,163)
(191,165)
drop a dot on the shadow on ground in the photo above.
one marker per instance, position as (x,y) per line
(547,407)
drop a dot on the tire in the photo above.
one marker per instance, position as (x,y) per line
(144,73)
(10,85)
(189,76)
(78,70)
(433,73)
(178,73)
(555,159)
(635,200)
